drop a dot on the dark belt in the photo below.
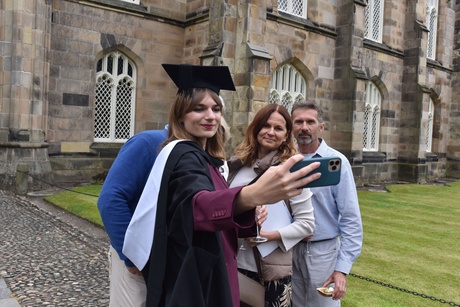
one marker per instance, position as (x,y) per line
(317,241)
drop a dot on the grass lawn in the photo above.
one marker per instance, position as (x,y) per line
(410,243)
(81,201)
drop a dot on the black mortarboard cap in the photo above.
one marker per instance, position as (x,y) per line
(186,77)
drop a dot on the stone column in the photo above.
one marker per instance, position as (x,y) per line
(252,64)
(453,142)
(221,47)
(411,148)
(350,80)
(24,77)
(236,39)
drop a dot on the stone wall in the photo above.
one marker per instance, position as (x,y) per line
(50,50)
(81,36)
(453,109)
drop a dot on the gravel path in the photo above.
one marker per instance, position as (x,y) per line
(50,260)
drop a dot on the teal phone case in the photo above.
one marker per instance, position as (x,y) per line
(329,169)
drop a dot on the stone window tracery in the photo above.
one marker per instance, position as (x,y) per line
(287,86)
(293,7)
(432,25)
(132,1)
(429,129)
(373,20)
(114,99)
(372,118)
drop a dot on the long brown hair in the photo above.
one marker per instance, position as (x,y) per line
(185,103)
(248,149)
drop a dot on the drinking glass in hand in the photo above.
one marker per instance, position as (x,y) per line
(258,238)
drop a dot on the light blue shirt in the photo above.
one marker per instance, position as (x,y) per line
(337,213)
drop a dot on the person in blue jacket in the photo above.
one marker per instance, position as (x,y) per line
(117,201)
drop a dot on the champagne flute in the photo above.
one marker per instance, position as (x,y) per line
(242,245)
(258,238)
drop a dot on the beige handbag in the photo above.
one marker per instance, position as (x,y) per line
(252,293)
(278,264)
(275,266)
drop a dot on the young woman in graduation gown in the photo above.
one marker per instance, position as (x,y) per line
(192,259)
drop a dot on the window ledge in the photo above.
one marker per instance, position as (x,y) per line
(118,5)
(438,65)
(106,149)
(301,23)
(373,45)
(373,157)
(108,145)
(431,157)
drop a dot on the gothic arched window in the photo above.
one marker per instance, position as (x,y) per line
(372,118)
(432,25)
(287,86)
(293,7)
(429,129)
(115,98)
(373,20)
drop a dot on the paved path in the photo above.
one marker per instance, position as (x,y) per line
(48,258)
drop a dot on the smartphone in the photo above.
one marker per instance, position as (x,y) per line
(329,169)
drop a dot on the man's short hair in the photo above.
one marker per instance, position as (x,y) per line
(309,105)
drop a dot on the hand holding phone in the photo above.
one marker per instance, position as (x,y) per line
(329,169)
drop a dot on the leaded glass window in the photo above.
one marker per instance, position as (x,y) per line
(373,20)
(287,86)
(432,25)
(132,1)
(114,99)
(429,128)
(372,118)
(293,7)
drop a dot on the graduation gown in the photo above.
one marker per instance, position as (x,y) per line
(193,256)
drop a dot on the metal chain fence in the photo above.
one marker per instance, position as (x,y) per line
(443,301)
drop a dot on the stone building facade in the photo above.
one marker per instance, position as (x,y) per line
(79,77)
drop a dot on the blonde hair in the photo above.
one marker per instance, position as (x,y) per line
(185,103)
